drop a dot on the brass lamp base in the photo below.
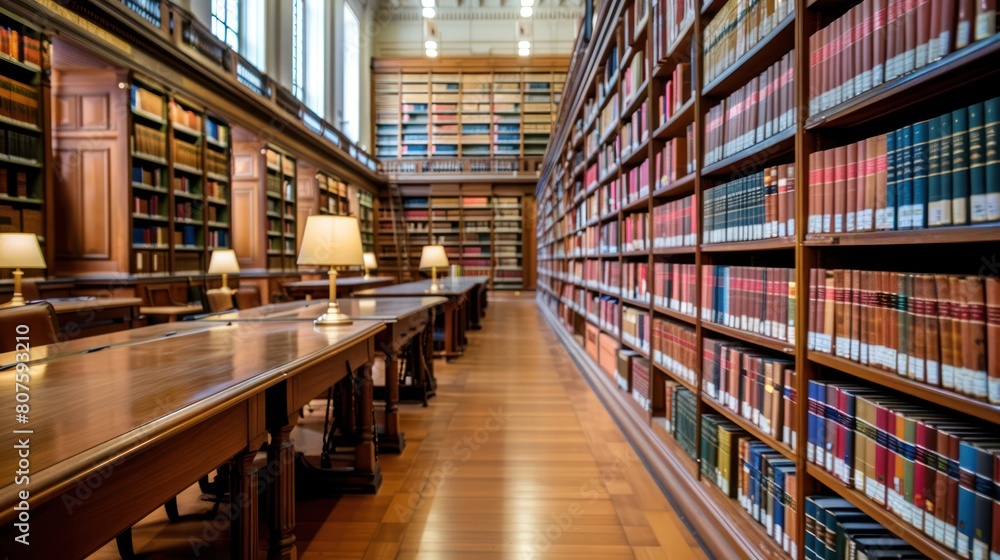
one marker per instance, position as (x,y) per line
(333,317)
(17,301)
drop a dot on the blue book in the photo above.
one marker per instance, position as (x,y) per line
(814,425)
(904,177)
(921,149)
(944,152)
(959,167)
(889,213)
(933,173)
(967,459)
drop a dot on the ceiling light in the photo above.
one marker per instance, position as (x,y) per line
(523,52)
(524,44)
(428,13)
(527,3)
(526,11)
(432,53)
(430,45)
(427,3)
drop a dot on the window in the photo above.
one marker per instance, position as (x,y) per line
(308,65)
(255,33)
(226,21)
(351,120)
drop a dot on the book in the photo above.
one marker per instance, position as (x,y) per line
(759,300)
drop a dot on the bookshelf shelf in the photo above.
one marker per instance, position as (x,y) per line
(981,233)
(681,186)
(188,195)
(637,155)
(20,162)
(149,116)
(186,169)
(633,347)
(637,99)
(149,188)
(752,338)
(952,72)
(917,539)
(929,393)
(768,50)
(21,200)
(18,124)
(637,206)
(756,156)
(674,126)
(149,158)
(186,131)
(775,244)
(677,315)
(747,425)
(633,254)
(673,376)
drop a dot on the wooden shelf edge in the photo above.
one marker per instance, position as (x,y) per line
(674,377)
(975,233)
(721,534)
(949,399)
(899,527)
(766,342)
(760,245)
(774,147)
(689,319)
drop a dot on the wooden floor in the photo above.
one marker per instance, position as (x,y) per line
(515,458)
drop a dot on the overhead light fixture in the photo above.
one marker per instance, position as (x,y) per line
(527,3)
(526,11)
(523,52)
(430,45)
(521,45)
(432,53)
(429,3)
(429,13)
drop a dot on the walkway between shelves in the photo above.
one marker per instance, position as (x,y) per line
(515,458)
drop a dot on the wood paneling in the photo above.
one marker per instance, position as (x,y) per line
(83,186)
(246,218)
(94,112)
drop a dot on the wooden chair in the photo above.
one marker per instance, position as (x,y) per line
(38,316)
(247,297)
(219,300)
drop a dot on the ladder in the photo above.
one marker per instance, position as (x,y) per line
(399,233)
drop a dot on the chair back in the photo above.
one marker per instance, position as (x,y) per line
(248,297)
(219,300)
(159,296)
(40,319)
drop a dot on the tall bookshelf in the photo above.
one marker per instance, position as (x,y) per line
(657,162)
(472,111)
(341,198)
(483,232)
(280,195)
(180,182)
(23,132)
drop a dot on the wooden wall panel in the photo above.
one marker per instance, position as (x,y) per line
(246,216)
(83,183)
(94,112)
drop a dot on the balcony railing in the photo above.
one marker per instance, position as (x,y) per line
(463,166)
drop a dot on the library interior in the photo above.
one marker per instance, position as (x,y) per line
(500,279)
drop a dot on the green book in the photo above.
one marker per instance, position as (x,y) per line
(904,177)
(918,208)
(889,214)
(959,167)
(944,152)
(991,122)
(977,164)
(933,174)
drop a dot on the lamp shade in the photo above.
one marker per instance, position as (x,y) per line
(223,262)
(331,241)
(20,250)
(370,261)
(433,255)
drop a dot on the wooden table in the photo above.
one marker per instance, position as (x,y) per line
(320,289)
(464,308)
(116,432)
(89,316)
(406,319)
(171,312)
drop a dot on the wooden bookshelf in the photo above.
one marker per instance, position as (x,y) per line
(24,133)
(594,148)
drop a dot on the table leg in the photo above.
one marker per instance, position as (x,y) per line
(281,461)
(243,506)
(393,439)
(364,457)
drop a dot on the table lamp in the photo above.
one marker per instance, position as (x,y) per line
(432,257)
(370,263)
(17,251)
(224,262)
(332,241)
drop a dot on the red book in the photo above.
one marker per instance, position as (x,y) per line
(993,337)
(909,36)
(829,167)
(963,25)
(946,40)
(879,41)
(840,188)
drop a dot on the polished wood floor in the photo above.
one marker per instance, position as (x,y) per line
(514,459)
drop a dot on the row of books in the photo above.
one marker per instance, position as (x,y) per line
(759,300)
(153,235)
(634,132)
(216,214)
(940,172)
(878,41)
(152,177)
(19,146)
(217,163)
(185,184)
(25,220)
(835,529)
(216,131)
(932,470)
(149,141)
(675,349)
(20,47)
(187,154)
(636,183)
(676,160)
(147,100)
(938,329)
(218,238)
(639,379)
(674,287)
(761,479)
(762,108)
(670,18)
(635,232)
(14,183)
(758,387)
(675,224)
(610,279)
(608,157)
(636,328)
(215,189)
(676,91)
(636,284)
(148,206)
(680,416)
(633,77)
(18,101)
(184,117)
(737,29)
(609,115)
(608,242)
(758,206)
(187,211)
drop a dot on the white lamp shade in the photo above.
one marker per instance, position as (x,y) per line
(223,262)
(370,261)
(433,255)
(331,241)
(20,250)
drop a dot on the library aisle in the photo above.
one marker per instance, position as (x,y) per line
(515,458)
